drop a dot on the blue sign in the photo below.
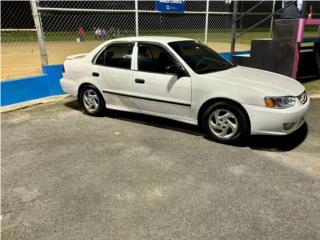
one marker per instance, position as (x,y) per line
(170,5)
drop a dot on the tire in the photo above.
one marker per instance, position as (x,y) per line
(92,101)
(225,122)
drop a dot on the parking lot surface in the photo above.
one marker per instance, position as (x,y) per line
(66,175)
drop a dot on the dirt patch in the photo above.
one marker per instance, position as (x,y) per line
(23,58)
(19,59)
(225,47)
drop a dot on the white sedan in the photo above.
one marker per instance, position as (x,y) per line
(184,80)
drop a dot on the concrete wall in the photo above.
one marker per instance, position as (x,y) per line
(28,88)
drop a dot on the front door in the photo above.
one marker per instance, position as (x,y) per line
(156,90)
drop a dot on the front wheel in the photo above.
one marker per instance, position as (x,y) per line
(225,122)
(92,101)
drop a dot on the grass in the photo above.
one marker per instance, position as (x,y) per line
(217,35)
(71,36)
(312,85)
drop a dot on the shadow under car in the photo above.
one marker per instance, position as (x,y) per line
(257,142)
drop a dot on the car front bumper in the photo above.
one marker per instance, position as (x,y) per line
(270,121)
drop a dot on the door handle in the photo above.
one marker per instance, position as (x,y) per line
(95,74)
(138,80)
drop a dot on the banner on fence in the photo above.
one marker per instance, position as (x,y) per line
(170,5)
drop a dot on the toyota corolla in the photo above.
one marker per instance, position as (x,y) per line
(185,80)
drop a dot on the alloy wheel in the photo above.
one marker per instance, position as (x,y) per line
(223,123)
(90,100)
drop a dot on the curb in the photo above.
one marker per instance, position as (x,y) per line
(27,104)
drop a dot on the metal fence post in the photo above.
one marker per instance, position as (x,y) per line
(38,26)
(234,29)
(137,18)
(272,19)
(207,23)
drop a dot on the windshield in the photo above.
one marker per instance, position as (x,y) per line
(199,57)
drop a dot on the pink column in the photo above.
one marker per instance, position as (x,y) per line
(298,45)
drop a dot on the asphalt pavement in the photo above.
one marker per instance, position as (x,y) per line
(66,175)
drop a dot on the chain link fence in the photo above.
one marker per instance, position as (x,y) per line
(19,45)
(189,24)
(250,13)
(72,27)
(255,21)
(62,22)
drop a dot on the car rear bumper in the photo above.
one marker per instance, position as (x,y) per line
(269,121)
(69,86)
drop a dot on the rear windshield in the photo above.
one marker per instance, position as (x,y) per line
(199,57)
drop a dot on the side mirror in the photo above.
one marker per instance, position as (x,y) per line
(175,70)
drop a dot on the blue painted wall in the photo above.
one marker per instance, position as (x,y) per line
(28,88)
(227,55)
(44,85)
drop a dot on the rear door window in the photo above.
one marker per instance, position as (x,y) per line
(117,55)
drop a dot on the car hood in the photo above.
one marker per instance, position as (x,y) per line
(272,83)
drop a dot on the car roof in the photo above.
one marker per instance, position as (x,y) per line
(158,39)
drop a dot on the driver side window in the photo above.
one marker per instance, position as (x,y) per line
(154,58)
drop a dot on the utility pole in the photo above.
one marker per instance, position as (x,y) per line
(234,29)
(272,19)
(39,29)
(137,17)
(207,24)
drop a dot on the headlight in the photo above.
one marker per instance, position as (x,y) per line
(280,102)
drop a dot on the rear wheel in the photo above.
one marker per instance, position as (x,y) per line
(225,122)
(92,101)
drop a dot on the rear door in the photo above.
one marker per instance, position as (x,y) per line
(112,73)
(157,91)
